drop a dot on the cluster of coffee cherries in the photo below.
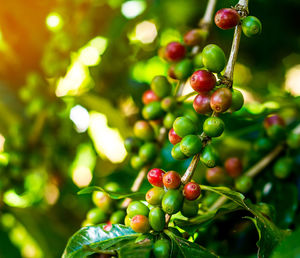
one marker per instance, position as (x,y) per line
(106,210)
(168,196)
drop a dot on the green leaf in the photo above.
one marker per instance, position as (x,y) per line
(113,195)
(95,239)
(140,249)
(187,249)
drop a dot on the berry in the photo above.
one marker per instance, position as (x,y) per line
(161,86)
(177,153)
(202,81)
(112,187)
(189,208)
(162,248)
(132,144)
(171,72)
(190,145)
(155,177)
(148,152)
(152,111)
(183,69)
(169,120)
(137,208)
(221,100)
(103,201)
(201,103)
(263,144)
(251,26)
(149,96)
(168,104)
(273,120)
(191,191)
(127,221)
(171,180)
(117,217)
(237,100)
(172,201)
(195,37)
(293,140)
(136,162)
(184,126)
(209,156)
(174,52)
(143,130)
(198,63)
(154,196)
(157,219)
(213,126)
(234,167)
(276,132)
(173,137)
(227,18)
(216,176)
(213,58)
(140,224)
(243,183)
(283,167)
(96,216)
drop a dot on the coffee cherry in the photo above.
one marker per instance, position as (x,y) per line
(177,153)
(132,144)
(213,58)
(251,26)
(157,219)
(137,208)
(195,37)
(293,140)
(140,224)
(117,217)
(162,248)
(221,100)
(184,126)
(216,176)
(173,137)
(243,183)
(227,18)
(213,126)
(127,221)
(152,111)
(172,201)
(237,100)
(171,72)
(149,96)
(233,166)
(161,86)
(155,177)
(201,103)
(168,104)
(191,191)
(174,52)
(148,152)
(96,216)
(202,81)
(143,130)
(276,132)
(190,145)
(197,60)
(136,162)
(103,201)
(189,208)
(283,167)
(183,69)
(155,195)
(169,120)
(209,156)
(171,180)
(273,120)
(263,144)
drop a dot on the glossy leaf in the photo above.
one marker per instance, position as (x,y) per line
(140,249)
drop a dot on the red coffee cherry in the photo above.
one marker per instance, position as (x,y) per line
(227,18)
(172,180)
(155,177)
(202,81)
(194,37)
(191,191)
(221,100)
(216,176)
(234,167)
(140,224)
(173,137)
(149,96)
(174,52)
(273,120)
(201,103)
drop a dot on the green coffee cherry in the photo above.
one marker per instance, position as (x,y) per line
(157,219)
(143,130)
(117,217)
(161,86)
(148,152)
(103,201)
(96,216)
(237,100)
(213,58)
(152,111)
(132,144)
(137,208)
(172,201)
(293,140)
(183,69)
(283,167)
(190,145)
(177,153)
(169,120)
(168,104)
(251,26)
(276,132)
(198,63)
(183,126)
(243,183)
(136,162)
(162,248)
(263,144)
(209,156)
(213,126)
(140,224)
(154,195)
(189,208)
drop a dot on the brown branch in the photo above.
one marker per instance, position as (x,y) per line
(206,21)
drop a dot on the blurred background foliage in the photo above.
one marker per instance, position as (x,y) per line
(71,77)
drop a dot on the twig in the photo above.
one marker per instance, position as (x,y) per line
(206,21)
(218,203)
(185,97)
(191,169)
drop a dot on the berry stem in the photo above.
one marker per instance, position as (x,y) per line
(191,169)
(185,97)
(206,21)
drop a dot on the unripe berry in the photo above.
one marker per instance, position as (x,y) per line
(172,201)
(140,224)
(157,219)
(191,191)
(161,86)
(136,162)
(251,26)
(169,120)
(168,103)
(177,153)
(155,177)
(237,100)
(243,183)
(195,37)
(227,18)
(197,60)
(283,167)
(117,217)
(132,144)
(152,111)
(143,130)
(216,176)
(213,126)
(149,96)
(171,180)
(183,69)
(184,126)
(190,145)
(148,152)
(201,103)
(96,216)
(155,195)
(213,58)
(162,248)
(102,200)
(174,52)
(221,100)
(173,137)
(202,81)
(233,166)
(209,157)
(189,208)
(137,208)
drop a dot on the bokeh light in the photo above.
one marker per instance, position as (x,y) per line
(54,21)
(132,9)
(146,32)
(292,80)
(80,117)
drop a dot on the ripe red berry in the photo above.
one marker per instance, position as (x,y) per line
(201,103)
(221,100)
(172,180)
(174,51)
(202,81)
(234,167)
(194,37)
(149,96)
(273,120)
(191,191)
(173,137)
(155,177)
(227,18)
(216,175)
